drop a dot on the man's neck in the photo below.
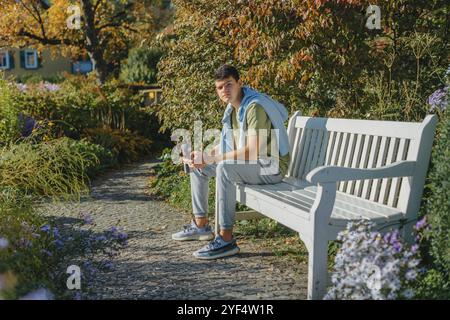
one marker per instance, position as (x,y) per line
(237,103)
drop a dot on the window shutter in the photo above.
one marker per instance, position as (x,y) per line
(11,59)
(39,60)
(22,59)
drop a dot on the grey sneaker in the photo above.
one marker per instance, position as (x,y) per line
(192,232)
(218,248)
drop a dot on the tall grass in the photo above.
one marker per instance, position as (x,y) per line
(51,169)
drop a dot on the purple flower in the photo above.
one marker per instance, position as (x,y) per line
(22,87)
(421,224)
(40,294)
(88,219)
(47,253)
(109,265)
(114,229)
(3,243)
(122,236)
(438,100)
(46,228)
(100,238)
(59,244)
(55,232)
(51,87)
(397,246)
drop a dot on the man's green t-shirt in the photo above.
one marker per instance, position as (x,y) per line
(257,119)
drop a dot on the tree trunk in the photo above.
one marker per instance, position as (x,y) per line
(92,42)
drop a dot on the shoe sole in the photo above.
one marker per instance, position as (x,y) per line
(195,238)
(220,255)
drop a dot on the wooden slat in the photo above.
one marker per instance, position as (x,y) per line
(370,163)
(330,147)
(299,142)
(356,161)
(396,182)
(386,183)
(359,204)
(343,152)
(349,158)
(323,149)
(310,154)
(397,129)
(304,153)
(399,182)
(315,158)
(336,149)
(346,206)
(381,159)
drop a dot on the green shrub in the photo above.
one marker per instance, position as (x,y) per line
(125,145)
(51,168)
(93,152)
(140,66)
(437,207)
(9,114)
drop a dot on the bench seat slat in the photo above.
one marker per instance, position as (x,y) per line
(347,207)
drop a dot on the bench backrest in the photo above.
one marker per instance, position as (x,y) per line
(316,142)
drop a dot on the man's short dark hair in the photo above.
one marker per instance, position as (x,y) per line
(226,71)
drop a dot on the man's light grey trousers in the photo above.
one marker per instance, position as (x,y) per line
(227,173)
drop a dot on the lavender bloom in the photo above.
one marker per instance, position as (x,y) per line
(421,224)
(56,232)
(46,228)
(47,253)
(438,100)
(122,236)
(22,87)
(40,294)
(3,243)
(100,238)
(88,219)
(51,87)
(109,265)
(59,244)
(369,266)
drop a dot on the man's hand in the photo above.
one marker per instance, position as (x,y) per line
(198,160)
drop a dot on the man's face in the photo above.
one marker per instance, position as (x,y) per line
(228,89)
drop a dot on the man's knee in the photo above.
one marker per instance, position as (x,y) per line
(226,168)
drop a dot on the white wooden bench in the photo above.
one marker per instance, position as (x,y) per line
(343,170)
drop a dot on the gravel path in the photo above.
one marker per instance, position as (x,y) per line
(153,266)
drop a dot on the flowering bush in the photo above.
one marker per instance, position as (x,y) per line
(372,266)
(438,100)
(35,253)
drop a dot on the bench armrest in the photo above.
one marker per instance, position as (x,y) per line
(328,174)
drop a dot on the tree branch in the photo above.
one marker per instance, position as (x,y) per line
(46,41)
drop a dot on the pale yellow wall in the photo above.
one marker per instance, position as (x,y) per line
(50,66)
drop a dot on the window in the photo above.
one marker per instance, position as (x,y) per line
(82,67)
(31,59)
(4,60)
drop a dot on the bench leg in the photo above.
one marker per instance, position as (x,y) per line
(408,233)
(317,270)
